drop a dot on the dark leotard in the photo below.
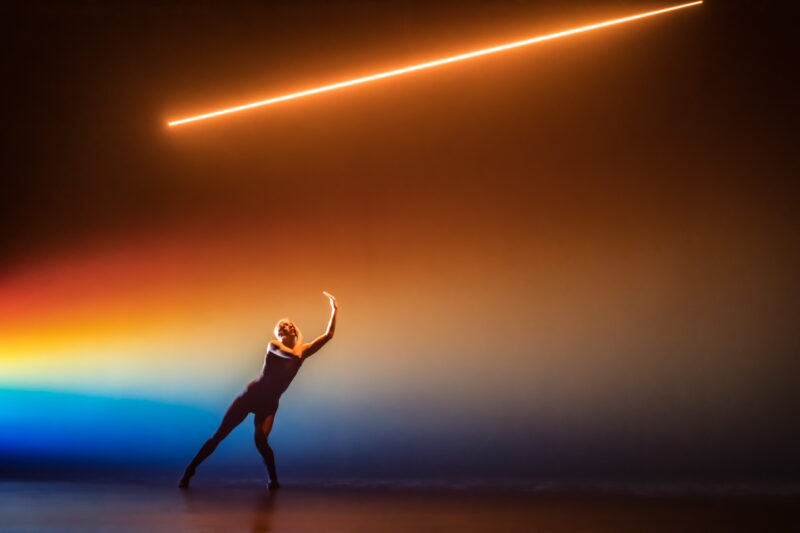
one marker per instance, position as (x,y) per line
(262,395)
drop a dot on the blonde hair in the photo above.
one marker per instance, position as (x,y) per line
(287,321)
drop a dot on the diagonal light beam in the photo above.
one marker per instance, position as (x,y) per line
(435,63)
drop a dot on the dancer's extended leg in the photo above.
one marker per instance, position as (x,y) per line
(234,416)
(262,429)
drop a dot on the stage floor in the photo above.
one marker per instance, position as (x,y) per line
(129,507)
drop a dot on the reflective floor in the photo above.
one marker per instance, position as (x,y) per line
(128,507)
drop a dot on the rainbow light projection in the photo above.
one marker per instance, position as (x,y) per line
(128,352)
(431,64)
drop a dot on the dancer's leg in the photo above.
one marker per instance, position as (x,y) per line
(234,416)
(262,429)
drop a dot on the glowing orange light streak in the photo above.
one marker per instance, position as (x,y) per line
(435,63)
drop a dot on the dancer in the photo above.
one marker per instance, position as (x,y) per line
(285,354)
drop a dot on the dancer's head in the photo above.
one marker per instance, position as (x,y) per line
(287,332)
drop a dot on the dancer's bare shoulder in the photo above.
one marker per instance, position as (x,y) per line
(278,345)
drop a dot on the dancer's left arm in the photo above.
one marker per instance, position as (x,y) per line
(312,347)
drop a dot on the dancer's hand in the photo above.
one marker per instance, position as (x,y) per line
(332,299)
(311,349)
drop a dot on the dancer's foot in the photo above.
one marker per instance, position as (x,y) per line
(184,482)
(274,485)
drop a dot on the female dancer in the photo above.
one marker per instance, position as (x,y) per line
(284,356)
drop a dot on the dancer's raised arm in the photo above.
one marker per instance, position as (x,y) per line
(312,347)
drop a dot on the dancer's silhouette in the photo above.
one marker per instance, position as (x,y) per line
(284,356)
